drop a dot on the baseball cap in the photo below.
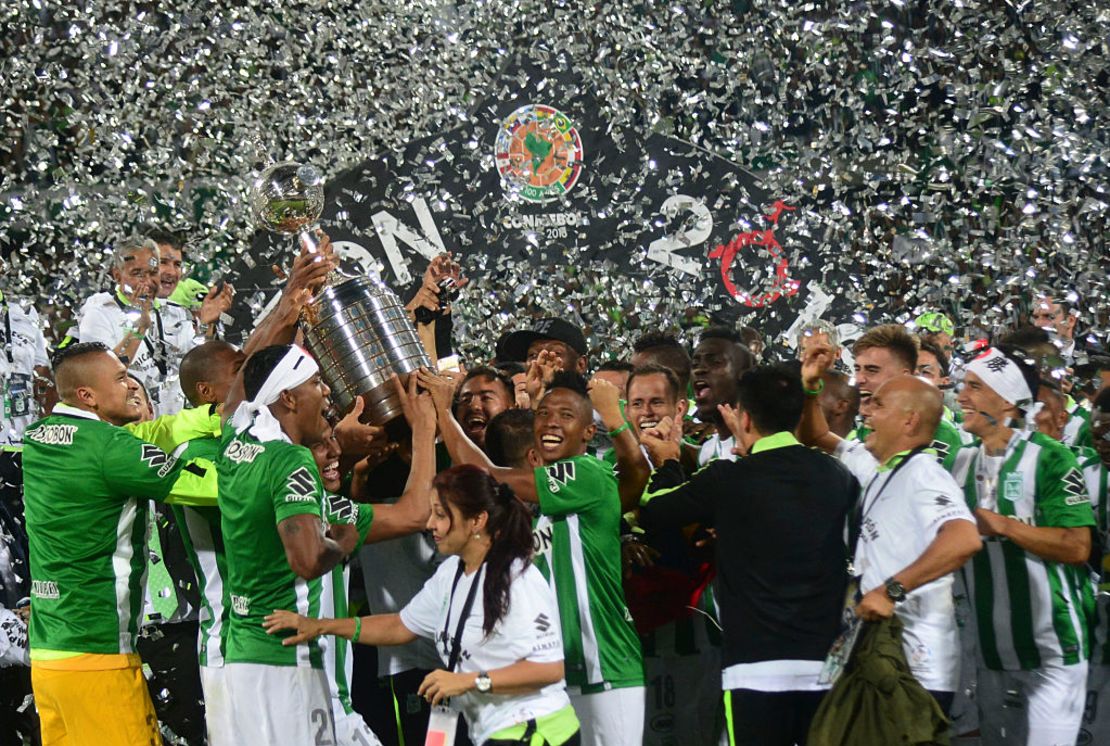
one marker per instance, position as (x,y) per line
(513,347)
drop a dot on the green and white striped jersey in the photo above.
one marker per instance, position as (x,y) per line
(577,548)
(1095,475)
(260,485)
(333,602)
(1028,611)
(87,487)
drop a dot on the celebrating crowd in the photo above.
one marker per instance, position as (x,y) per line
(825,541)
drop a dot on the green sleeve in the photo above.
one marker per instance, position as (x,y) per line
(575,485)
(1062,499)
(295,486)
(171,430)
(134,468)
(1085,437)
(946,442)
(340,509)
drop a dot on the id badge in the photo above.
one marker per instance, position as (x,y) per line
(19,395)
(441,727)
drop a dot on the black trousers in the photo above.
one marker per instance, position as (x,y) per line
(17,728)
(171,652)
(772,718)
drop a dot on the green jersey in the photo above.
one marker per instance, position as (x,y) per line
(194,499)
(260,485)
(947,441)
(333,601)
(577,548)
(87,487)
(1095,476)
(1029,611)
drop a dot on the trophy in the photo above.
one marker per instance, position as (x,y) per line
(288,198)
(355,327)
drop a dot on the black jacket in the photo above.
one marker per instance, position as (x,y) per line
(780,518)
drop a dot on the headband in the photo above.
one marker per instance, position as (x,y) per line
(291,371)
(1003,375)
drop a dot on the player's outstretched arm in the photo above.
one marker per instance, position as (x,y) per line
(379,629)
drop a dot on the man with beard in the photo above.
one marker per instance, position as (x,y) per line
(483,394)
(88,547)
(186,298)
(719,360)
(577,536)
(278,547)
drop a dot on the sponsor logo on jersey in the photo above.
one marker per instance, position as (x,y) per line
(542,623)
(943,501)
(941,448)
(558,474)
(241,605)
(153,456)
(46,589)
(243,453)
(341,509)
(1075,488)
(53,435)
(538,153)
(301,486)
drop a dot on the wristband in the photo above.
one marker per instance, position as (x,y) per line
(619,430)
(134,334)
(818,390)
(358,629)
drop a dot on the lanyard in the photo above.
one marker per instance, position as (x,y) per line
(158,356)
(862,508)
(456,642)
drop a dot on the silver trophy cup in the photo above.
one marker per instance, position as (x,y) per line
(362,335)
(356,328)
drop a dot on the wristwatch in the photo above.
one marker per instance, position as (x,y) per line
(895,591)
(483,683)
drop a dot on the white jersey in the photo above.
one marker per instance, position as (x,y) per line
(529,630)
(106,318)
(902,511)
(714,448)
(24,349)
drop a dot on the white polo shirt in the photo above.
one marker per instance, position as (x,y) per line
(104,318)
(529,630)
(902,512)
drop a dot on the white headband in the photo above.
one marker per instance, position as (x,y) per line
(1003,375)
(294,369)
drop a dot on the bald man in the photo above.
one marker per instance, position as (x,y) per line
(914,527)
(87,550)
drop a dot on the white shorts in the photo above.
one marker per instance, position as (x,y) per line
(279,705)
(1042,707)
(684,699)
(1096,714)
(217,707)
(611,718)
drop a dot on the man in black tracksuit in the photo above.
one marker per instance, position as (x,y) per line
(780,516)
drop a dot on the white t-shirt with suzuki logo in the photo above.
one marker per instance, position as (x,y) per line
(902,513)
(529,630)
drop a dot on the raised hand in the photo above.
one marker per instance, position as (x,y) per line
(605,398)
(441,388)
(817,359)
(356,438)
(664,441)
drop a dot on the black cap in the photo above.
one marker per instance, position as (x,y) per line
(513,347)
